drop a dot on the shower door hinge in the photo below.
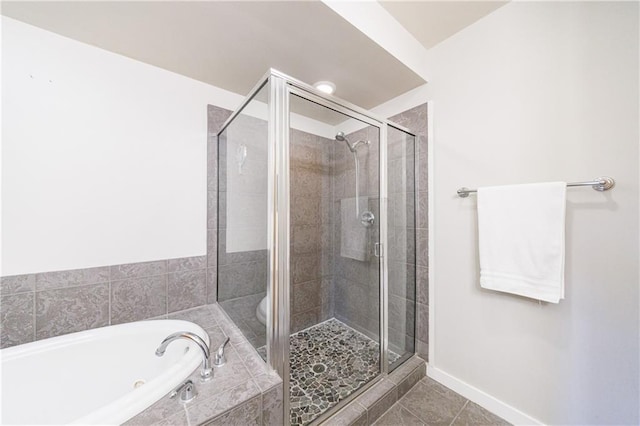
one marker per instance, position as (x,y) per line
(377,250)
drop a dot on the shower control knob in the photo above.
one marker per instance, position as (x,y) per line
(367,219)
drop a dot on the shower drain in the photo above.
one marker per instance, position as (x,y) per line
(319,368)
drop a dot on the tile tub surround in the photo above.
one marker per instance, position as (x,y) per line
(429,402)
(375,401)
(48,304)
(243,391)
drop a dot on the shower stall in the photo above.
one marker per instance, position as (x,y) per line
(316,241)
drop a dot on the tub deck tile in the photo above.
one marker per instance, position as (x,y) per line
(216,337)
(272,407)
(251,359)
(178,419)
(247,414)
(162,410)
(267,381)
(203,409)
(243,391)
(204,316)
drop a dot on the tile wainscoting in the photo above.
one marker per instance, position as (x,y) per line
(38,306)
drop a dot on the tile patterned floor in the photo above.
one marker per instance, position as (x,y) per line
(430,403)
(329,362)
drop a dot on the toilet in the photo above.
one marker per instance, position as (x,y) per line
(261,311)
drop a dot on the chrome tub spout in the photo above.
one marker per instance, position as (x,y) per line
(207,372)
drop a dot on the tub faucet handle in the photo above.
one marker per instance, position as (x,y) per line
(187,391)
(218,357)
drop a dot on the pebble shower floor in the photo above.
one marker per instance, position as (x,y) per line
(328,362)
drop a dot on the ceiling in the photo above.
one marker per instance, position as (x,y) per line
(231,44)
(431,22)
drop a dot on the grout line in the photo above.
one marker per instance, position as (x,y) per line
(13,293)
(76,285)
(457,415)
(109,299)
(388,409)
(186,414)
(140,277)
(404,406)
(410,412)
(314,325)
(245,365)
(34,317)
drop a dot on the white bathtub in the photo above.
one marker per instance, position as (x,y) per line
(90,377)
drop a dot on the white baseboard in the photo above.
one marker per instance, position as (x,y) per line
(499,408)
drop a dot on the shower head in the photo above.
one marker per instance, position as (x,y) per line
(342,138)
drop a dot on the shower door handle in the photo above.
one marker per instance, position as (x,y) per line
(377,249)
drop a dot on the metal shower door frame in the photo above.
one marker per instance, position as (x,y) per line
(281,87)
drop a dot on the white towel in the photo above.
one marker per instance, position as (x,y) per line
(353,235)
(521,239)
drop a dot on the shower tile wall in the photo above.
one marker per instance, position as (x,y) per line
(311,188)
(48,304)
(416,120)
(357,296)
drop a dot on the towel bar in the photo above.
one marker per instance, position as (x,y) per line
(601,183)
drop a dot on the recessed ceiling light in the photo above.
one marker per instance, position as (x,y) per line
(325,86)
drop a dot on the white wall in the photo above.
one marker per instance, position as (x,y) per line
(103,157)
(541,91)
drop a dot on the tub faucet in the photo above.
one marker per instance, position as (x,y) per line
(207,372)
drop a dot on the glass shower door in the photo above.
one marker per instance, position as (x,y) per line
(335,345)
(401,255)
